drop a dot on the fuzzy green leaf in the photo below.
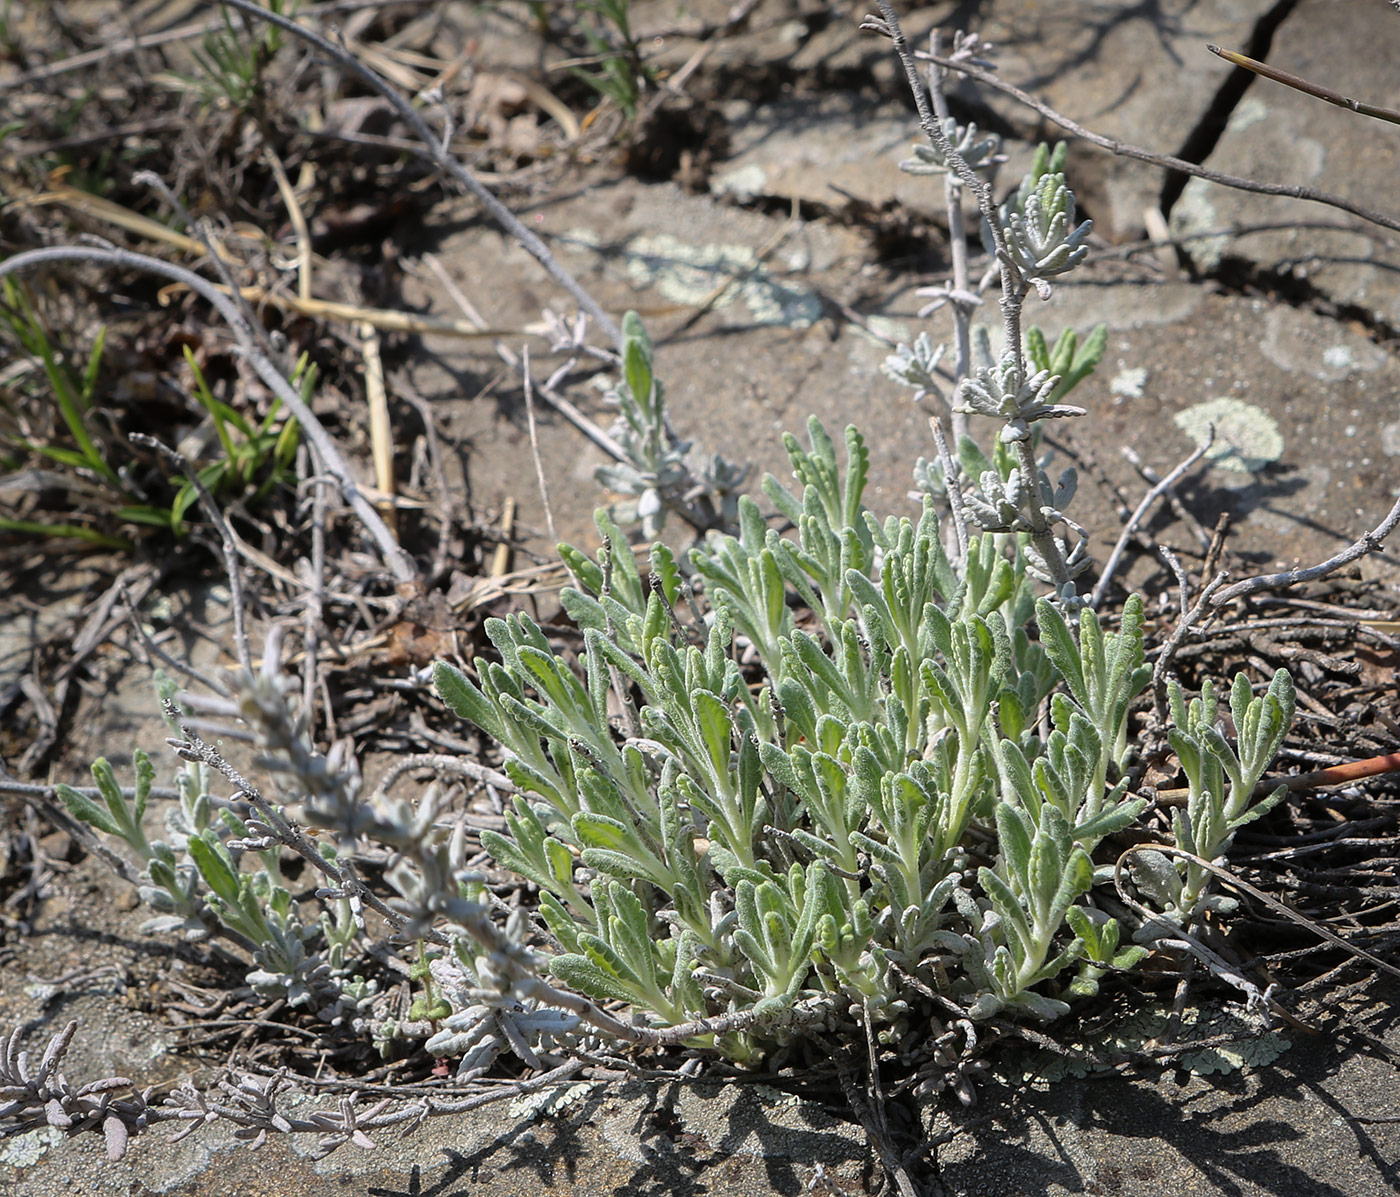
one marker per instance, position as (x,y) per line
(583,975)
(218,874)
(466,701)
(637,359)
(87,811)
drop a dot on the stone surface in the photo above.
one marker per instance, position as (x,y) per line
(807,48)
(760,361)
(769,352)
(623,1137)
(1279,135)
(837,151)
(827,151)
(1320,386)
(1294,1129)
(636,1137)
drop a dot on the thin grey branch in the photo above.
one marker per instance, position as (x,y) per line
(1369,543)
(1111,565)
(1126,150)
(434,151)
(1013,284)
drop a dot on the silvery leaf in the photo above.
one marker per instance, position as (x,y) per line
(621,478)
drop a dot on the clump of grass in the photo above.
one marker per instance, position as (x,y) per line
(53,412)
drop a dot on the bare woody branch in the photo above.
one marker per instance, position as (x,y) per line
(1369,543)
(1291,190)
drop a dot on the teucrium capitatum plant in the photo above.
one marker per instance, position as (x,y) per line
(786,809)
(795,826)
(848,762)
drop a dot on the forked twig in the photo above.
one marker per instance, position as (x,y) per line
(1130,528)
(1179,509)
(1255,892)
(1370,542)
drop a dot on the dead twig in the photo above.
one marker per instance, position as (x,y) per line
(1370,542)
(443,490)
(1259,1002)
(876,1131)
(381,429)
(448,765)
(298,220)
(545,391)
(315,592)
(500,558)
(154,652)
(535,443)
(1123,148)
(1254,892)
(1216,549)
(1316,90)
(204,236)
(1183,584)
(1179,509)
(1137,517)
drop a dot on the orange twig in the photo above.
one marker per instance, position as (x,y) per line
(1333,775)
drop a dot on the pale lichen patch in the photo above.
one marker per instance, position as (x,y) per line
(690,274)
(1338,357)
(1129,382)
(1390,439)
(1247,438)
(743,183)
(24,1150)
